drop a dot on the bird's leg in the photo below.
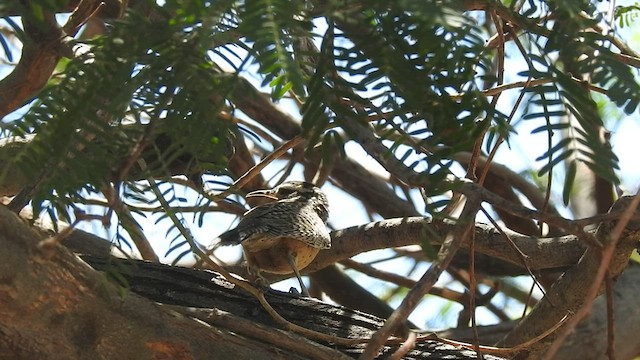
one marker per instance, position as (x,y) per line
(291,256)
(255,276)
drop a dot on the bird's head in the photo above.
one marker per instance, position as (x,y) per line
(297,189)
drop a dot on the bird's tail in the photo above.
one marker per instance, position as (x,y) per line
(228,238)
(231,237)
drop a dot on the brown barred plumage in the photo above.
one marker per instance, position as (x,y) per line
(283,235)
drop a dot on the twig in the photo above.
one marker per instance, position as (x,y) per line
(246,177)
(59,237)
(449,247)
(518,210)
(498,351)
(279,338)
(605,259)
(84,12)
(611,353)
(533,83)
(406,346)
(130,225)
(521,255)
(472,299)
(484,300)
(403,281)
(516,105)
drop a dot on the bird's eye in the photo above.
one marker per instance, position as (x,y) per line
(285,192)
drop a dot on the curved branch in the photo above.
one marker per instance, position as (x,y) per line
(542,253)
(590,331)
(40,54)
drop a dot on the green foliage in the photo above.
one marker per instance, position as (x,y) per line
(128,91)
(627,15)
(581,54)
(411,71)
(271,26)
(395,66)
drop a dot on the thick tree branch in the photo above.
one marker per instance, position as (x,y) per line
(542,253)
(568,293)
(182,287)
(40,54)
(54,306)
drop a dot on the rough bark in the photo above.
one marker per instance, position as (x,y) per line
(88,316)
(54,306)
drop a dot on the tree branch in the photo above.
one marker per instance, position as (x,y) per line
(450,245)
(40,54)
(568,293)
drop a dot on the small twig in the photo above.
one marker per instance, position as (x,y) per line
(526,304)
(611,350)
(84,12)
(406,346)
(628,60)
(246,177)
(527,84)
(403,281)
(508,352)
(129,224)
(521,255)
(606,256)
(501,138)
(447,251)
(484,300)
(279,338)
(59,237)
(521,211)
(476,152)
(472,290)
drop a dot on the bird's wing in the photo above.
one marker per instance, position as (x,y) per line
(264,219)
(312,230)
(279,219)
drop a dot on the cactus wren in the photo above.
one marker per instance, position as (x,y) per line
(283,235)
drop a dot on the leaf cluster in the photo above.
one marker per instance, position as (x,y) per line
(396,66)
(627,15)
(128,98)
(412,72)
(574,56)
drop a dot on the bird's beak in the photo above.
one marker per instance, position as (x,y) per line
(263,193)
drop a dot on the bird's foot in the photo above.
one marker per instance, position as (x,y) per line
(261,283)
(292,293)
